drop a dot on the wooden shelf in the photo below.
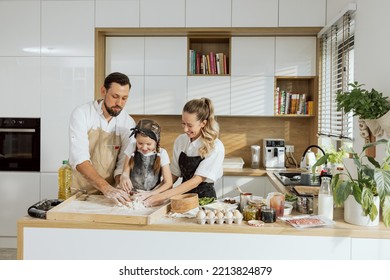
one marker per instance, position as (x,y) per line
(205,47)
(299,87)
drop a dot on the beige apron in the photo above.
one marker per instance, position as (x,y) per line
(103,149)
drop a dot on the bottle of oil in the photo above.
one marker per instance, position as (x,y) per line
(64,180)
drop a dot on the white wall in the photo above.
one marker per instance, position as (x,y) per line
(372,45)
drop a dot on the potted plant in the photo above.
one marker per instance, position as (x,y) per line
(367,182)
(370,106)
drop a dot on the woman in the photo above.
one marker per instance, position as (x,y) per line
(197,154)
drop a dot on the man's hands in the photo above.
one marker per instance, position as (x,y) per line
(116,195)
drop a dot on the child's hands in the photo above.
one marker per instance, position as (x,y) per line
(125,183)
(142,195)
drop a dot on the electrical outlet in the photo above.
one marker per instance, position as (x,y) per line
(289,148)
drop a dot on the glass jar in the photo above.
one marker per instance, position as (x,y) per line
(268,214)
(250,212)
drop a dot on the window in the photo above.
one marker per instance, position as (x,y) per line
(336,72)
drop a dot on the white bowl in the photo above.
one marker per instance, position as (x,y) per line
(287,209)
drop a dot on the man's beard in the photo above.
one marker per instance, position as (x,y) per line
(111,112)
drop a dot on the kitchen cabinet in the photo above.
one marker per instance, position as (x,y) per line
(126,55)
(165,56)
(162,13)
(216,88)
(259,186)
(19,190)
(253,56)
(20,37)
(254,13)
(294,13)
(20,99)
(67,82)
(164,94)
(295,56)
(205,13)
(252,96)
(126,13)
(67,28)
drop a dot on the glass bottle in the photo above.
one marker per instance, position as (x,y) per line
(325,199)
(64,180)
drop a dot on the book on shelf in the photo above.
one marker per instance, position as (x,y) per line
(210,63)
(293,103)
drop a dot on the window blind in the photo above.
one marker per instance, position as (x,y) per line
(336,72)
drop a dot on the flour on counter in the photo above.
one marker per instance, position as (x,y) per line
(98,204)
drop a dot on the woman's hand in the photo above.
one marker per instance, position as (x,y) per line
(125,183)
(142,195)
(154,200)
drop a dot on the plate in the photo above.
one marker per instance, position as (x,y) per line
(218,205)
(307,221)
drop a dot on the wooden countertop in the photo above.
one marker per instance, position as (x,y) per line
(339,229)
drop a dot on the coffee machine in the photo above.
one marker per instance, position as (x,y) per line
(273,155)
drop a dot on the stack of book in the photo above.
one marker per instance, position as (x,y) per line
(293,103)
(207,64)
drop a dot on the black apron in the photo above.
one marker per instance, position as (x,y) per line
(188,166)
(142,175)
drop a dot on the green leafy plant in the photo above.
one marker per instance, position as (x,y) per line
(337,157)
(363,103)
(372,179)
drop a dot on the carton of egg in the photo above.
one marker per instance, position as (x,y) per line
(219,216)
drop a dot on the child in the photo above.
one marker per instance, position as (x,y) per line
(143,169)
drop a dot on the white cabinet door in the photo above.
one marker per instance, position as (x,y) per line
(49,185)
(136,102)
(19,190)
(370,249)
(252,96)
(166,56)
(295,56)
(268,187)
(126,55)
(162,13)
(66,83)
(213,87)
(126,13)
(254,185)
(20,94)
(294,13)
(254,13)
(218,186)
(20,28)
(205,13)
(67,28)
(165,95)
(253,56)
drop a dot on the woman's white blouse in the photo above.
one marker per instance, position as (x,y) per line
(210,167)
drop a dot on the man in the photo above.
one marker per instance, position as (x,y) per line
(99,134)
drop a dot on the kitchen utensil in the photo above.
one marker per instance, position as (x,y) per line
(255,151)
(184,202)
(309,158)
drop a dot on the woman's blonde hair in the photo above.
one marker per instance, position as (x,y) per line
(151,129)
(204,110)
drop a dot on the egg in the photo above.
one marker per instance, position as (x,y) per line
(211,215)
(237,214)
(201,214)
(220,215)
(229,215)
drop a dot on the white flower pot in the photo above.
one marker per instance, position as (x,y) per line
(384,122)
(353,212)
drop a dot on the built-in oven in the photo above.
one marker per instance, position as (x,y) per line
(20,144)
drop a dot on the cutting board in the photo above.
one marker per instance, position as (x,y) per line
(97,208)
(305,190)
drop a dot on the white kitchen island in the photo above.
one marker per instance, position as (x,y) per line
(182,238)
